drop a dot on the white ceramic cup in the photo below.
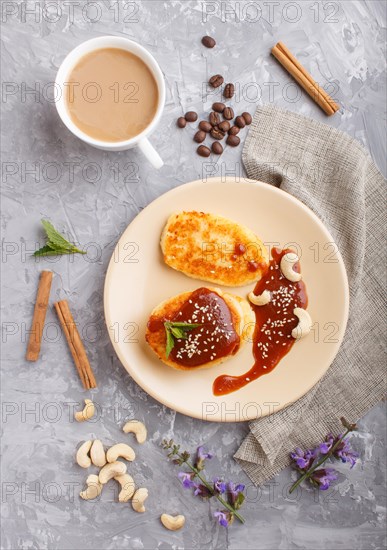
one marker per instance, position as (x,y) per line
(141,140)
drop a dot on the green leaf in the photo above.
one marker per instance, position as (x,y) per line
(178,333)
(56,244)
(170,343)
(239,501)
(72,250)
(177,330)
(48,251)
(54,237)
(186,326)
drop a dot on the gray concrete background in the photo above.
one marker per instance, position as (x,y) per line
(93,196)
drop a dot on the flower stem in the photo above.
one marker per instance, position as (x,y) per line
(319,463)
(221,500)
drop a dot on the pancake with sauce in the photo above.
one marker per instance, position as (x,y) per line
(212,248)
(224,323)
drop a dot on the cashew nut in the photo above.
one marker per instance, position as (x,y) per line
(287,262)
(139,498)
(93,490)
(87,413)
(173,523)
(121,449)
(260,300)
(82,457)
(304,323)
(127,487)
(111,470)
(97,454)
(136,427)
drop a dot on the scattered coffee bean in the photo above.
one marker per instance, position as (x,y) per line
(233,131)
(224,126)
(216,80)
(181,122)
(205,126)
(216,133)
(219,107)
(203,151)
(200,136)
(217,148)
(229,90)
(228,113)
(248,118)
(214,118)
(191,116)
(208,42)
(234,141)
(240,122)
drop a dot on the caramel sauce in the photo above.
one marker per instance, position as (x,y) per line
(214,338)
(275,321)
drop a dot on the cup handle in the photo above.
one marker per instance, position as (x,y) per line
(150,153)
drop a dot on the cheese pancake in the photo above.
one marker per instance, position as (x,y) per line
(217,324)
(213,248)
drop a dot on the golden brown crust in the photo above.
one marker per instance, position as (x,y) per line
(243,320)
(201,245)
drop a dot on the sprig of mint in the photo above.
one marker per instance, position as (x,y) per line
(176,330)
(56,244)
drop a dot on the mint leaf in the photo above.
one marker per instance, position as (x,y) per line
(54,237)
(48,251)
(71,250)
(177,330)
(56,244)
(182,324)
(170,343)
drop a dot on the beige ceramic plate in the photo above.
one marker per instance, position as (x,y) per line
(137,280)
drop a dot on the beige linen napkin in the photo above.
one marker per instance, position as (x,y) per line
(332,174)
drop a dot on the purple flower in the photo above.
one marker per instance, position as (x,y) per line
(234,491)
(219,486)
(327,444)
(201,456)
(303,459)
(186,479)
(343,451)
(222,518)
(323,478)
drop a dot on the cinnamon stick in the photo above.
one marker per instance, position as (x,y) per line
(304,78)
(75,344)
(42,297)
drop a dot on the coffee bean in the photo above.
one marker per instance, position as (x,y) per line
(200,136)
(205,126)
(219,107)
(216,133)
(208,42)
(224,126)
(216,80)
(181,122)
(233,131)
(191,116)
(248,118)
(229,90)
(217,148)
(228,113)
(240,122)
(233,141)
(203,151)
(214,118)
